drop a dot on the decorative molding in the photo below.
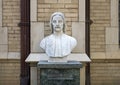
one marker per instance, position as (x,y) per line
(105,55)
(9,55)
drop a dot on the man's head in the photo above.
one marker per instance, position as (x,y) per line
(57,22)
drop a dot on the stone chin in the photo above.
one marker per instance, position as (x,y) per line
(58,29)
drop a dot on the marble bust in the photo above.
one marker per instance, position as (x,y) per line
(58,44)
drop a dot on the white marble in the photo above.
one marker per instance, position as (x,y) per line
(57,59)
(35,57)
(58,44)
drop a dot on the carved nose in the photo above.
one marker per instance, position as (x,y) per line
(57,24)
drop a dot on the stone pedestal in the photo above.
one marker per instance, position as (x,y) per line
(38,69)
(59,73)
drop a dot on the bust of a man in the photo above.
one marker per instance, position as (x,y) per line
(58,44)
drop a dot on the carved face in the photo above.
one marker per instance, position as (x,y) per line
(57,23)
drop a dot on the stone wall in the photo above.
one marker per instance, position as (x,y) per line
(100,15)
(47,7)
(103,36)
(10,42)
(11,18)
(41,11)
(9,72)
(105,73)
(104,44)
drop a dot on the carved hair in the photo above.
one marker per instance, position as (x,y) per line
(60,14)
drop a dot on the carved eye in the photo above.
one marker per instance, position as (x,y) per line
(54,21)
(60,21)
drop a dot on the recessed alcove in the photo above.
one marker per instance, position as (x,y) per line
(38,32)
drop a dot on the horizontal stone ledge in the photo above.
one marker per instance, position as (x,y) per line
(36,57)
(9,55)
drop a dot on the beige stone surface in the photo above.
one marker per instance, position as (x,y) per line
(112,35)
(50,1)
(3,55)
(33,10)
(104,73)
(0,13)
(10,55)
(13,55)
(33,78)
(10,21)
(3,36)
(78,29)
(3,48)
(9,72)
(98,55)
(37,34)
(82,75)
(101,17)
(106,55)
(81,10)
(68,7)
(114,13)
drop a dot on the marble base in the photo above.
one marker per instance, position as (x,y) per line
(57,59)
(65,65)
(59,73)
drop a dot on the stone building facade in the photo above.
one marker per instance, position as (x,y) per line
(104,35)
(9,42)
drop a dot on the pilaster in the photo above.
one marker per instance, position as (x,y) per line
(0,13)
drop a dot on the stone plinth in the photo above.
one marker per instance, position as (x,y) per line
(34,58)
(59,73)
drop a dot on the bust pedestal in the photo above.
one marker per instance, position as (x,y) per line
(34,58)
(59,73)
